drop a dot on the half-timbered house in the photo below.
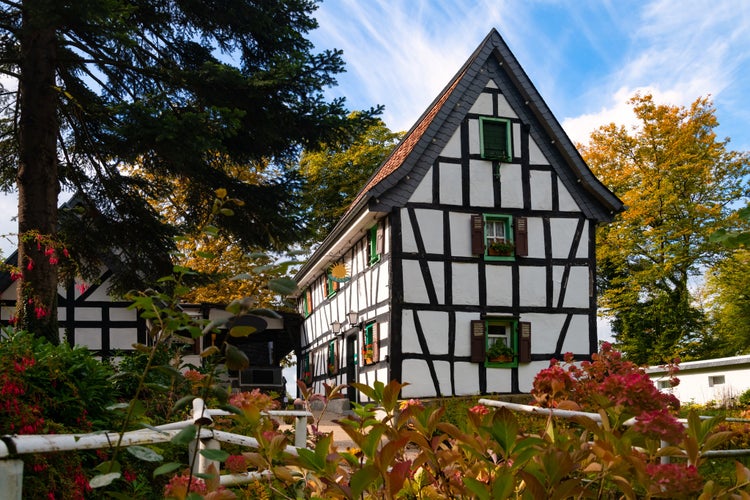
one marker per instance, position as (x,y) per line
(88,315)
(467,261)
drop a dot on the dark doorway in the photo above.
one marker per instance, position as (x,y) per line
(351,366)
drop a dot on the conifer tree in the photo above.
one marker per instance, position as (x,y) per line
(168,85)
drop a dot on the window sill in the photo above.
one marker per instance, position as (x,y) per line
(494,364)
(500,257)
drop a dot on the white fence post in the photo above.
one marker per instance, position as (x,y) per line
(300,433)
(11,479)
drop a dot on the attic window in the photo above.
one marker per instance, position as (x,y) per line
(375,244)
(495,139)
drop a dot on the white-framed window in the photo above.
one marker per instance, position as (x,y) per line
(715,380)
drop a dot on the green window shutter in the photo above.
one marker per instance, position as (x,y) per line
(333,358)
(370,344)
(376,243)
(494,139)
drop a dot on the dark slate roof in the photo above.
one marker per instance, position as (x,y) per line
(422,144)
(392,184)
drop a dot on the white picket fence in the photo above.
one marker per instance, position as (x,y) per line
(11,467)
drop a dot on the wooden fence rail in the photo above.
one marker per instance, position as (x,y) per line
(11,467)
(597,418)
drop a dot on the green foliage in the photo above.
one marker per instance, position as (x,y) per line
(336,171)
(171,87)
(57,389)
(727,295)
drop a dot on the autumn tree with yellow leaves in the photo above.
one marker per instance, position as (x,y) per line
(679,182)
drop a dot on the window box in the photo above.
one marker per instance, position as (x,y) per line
(499,352)
(501,248)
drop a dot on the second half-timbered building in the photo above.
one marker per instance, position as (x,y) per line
(468,259)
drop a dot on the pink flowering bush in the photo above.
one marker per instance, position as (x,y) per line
(46,389)
(615,385)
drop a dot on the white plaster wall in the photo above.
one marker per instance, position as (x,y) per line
(577,291)
(122,338)
(122,314)
(516,146)
(541,190)
(465,284)
(414,287)
(10,292)
(443,372)
(437,273)
(89,337)
(431,227)
(460,234)
(408,241)
(463,333)
(566,201)
(499,285)
(483,104)
(583,245)
(533,288)
(409,341)
(416,373)
(453,147)
(383,272)
(545,330)
(423,192)
(467,378)
(450,184)
(535,230)
(435,328)
(562,232)
(511,190)
(100,293)
(527,372)
(577,339)
(536,157)
(481,193)
(503,108)
(498,380)
(474,136)
(88,314)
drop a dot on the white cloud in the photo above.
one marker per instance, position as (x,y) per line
(682,51)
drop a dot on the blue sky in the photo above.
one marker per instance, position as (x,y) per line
(586,57)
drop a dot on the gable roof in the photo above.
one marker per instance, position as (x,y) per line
(398,176)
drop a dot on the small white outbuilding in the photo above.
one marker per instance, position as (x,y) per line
(719,380)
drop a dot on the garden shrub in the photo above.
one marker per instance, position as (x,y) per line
(411,449)
(46,389)
(744,398)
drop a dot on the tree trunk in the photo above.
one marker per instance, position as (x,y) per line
(38,185)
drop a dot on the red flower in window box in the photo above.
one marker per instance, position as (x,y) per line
(501,248)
